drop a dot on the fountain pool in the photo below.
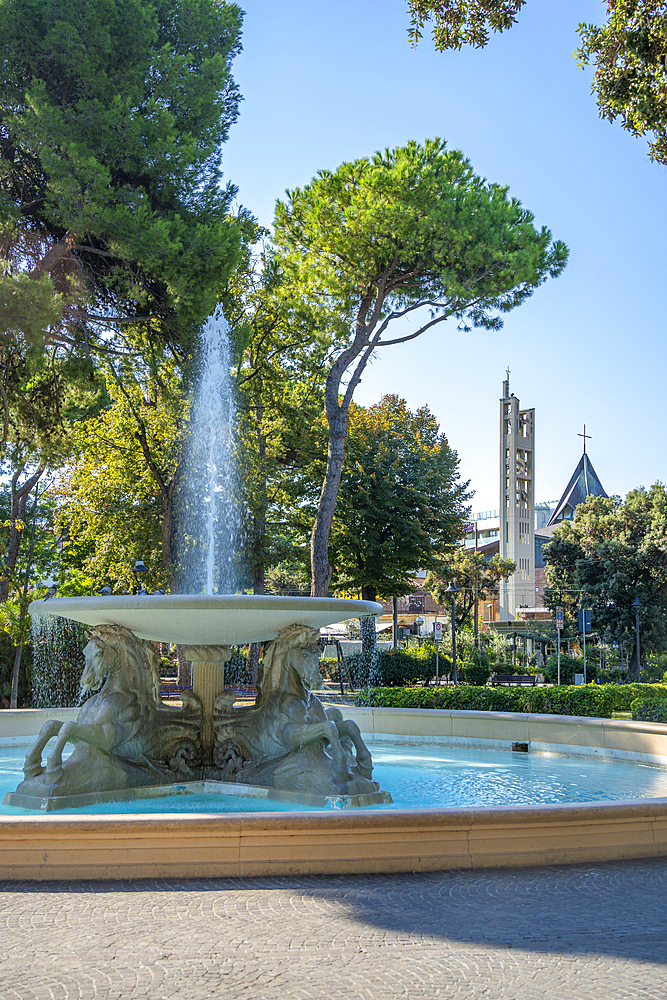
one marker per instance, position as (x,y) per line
(420,777)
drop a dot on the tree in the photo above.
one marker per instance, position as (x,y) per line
(629,53)
(401,503)
(45,392)
(411,233)
(279,383)
(474,575)
(116,501)
(112,117)
(613,552)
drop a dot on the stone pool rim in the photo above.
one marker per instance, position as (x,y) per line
(298,843)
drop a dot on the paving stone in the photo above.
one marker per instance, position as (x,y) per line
(586,931)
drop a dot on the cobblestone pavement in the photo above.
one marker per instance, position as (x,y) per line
(590,932)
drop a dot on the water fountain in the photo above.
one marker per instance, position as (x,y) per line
(126,739)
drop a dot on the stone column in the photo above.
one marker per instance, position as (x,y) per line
(208,681)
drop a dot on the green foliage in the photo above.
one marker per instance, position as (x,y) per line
(628,53)
(649,710)
(115,502)
(7,652)
(58,664)
(113,115)
(478,669)
(461,22)
(467,568)
(629,57)
(378,238)
(569,666)
(624,694)
(613,552)
(279,361)
(409,231)
(588,700)
(395,667)
(400,503)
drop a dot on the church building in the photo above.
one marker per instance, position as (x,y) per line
(520,528)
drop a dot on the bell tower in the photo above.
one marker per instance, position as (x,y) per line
(517,502)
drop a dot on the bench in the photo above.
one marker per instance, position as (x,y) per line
(175,690)
(527,680)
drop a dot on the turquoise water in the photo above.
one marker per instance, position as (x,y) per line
(421,777)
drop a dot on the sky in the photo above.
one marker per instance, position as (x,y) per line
(325,83)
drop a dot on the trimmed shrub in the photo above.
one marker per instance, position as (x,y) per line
(586,700)
(478,669)
(395,667)
(649,709)
(625,694)
(569,666)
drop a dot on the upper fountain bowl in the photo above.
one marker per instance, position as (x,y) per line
(218,620)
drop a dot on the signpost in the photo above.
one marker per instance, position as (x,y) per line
(437,635)
(559,626)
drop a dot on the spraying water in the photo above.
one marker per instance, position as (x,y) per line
(58,663)
(209,508)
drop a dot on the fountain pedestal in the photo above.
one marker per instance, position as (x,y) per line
(208,681)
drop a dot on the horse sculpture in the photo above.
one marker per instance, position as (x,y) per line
(123,735)
(287,740)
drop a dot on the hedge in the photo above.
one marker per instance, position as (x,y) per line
(625,694)
(598,701)
(649,709)
(588,700)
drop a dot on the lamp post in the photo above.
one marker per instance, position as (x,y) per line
(139,573)
(453,590)
(637,604)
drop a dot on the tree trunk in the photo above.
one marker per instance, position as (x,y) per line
(18,507)
(319,542)
(184,668)
(15,677)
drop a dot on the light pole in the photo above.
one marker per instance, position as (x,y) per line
(139,573)
(453,590)
(637,604)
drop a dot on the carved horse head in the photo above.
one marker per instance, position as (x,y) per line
(112,650)
(294,647)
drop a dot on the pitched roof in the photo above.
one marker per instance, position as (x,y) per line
(584,483)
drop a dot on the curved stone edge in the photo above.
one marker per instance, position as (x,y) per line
(164,846)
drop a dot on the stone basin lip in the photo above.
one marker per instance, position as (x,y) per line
(202,619)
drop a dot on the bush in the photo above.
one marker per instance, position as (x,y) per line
(585,700)
(395,667)
(569,666)
(7,653)
(649,709)
(625,694)
(478,669)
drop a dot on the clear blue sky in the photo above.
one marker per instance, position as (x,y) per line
(328,82)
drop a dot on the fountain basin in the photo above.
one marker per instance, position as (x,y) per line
(347,841)
(218,620)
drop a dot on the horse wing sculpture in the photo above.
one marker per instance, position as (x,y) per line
(287,740)
(124,735)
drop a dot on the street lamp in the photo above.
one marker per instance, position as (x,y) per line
(452,591)
(139,573)
(637,604)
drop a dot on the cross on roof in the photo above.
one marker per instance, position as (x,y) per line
(584,436)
